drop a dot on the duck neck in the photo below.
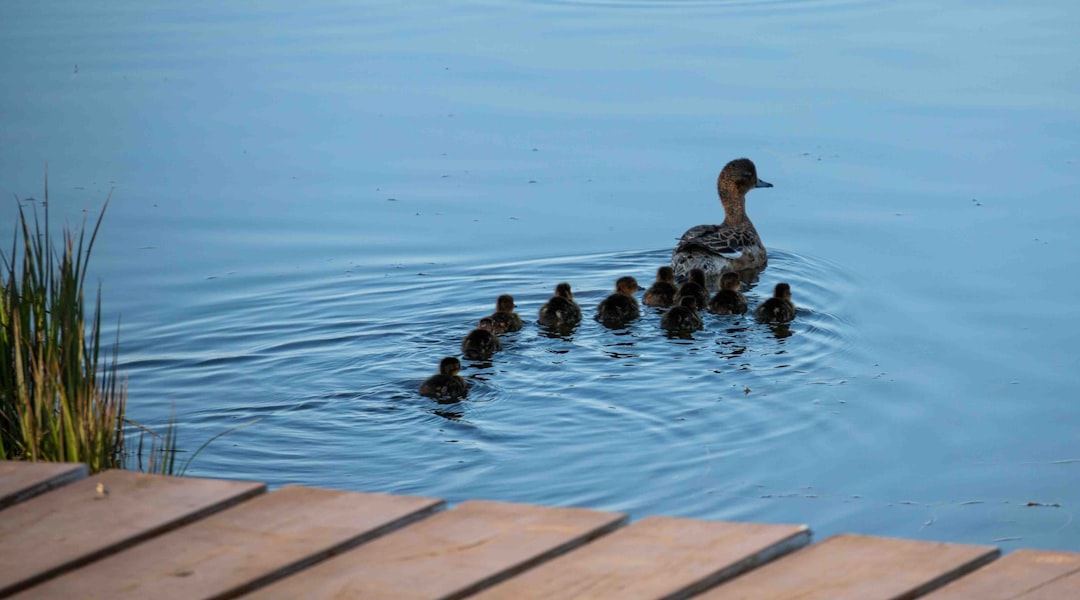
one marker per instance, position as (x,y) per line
(734,208)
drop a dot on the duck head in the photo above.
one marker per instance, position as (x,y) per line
(627,285)
(449,366)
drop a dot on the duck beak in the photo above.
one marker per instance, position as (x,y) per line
(763,183)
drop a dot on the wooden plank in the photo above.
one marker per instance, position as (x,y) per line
(22,480)
(450,555)
(1063,587)
(657,557)
(1026,574)
(241,548)
(76,524)
(858,567)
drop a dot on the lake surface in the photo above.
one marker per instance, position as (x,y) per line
(312,206)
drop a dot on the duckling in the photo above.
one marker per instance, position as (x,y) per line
(695,288)
(481,342)
(619,308)
(733,245)
(779,308)
(504,317)
(683,318)
(447,384)
(560,311)
(662,292)
(729,300)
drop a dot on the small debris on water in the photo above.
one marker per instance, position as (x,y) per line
(1052,505)
(746,389)
(391,199)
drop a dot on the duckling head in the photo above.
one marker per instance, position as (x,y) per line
(689,302)
(563,290)
(782,291)
(627,285)
(698,276)
(449,366)
(730,281)
(486,324)
(665,274)
(738,177)
(504,303)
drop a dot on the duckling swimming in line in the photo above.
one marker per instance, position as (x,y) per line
(447,384)
(694,287)
(560,311)
(729,300)
(779,308)
(504,317)
(662,292)
(733,245)
(621,307)
(683,318)
(481,342)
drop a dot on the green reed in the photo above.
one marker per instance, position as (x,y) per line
(60,399)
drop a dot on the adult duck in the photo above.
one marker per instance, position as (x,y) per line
(732,246)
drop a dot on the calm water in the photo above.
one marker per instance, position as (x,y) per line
(312,206)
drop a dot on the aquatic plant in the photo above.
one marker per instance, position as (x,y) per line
(60,401)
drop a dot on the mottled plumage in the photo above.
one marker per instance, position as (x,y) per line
(683,318)
(662,292)
(481,342)
(504,317)
(621,307)
(779,308)
(732,246)
(729,300)
(446,384)
(560,311)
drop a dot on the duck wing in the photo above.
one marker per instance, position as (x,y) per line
(717,240)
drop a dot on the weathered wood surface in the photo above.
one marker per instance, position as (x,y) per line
(65,528)
(857,567)
(657,557)
(240,548)
(449,555)
(21,480)
(1023,575)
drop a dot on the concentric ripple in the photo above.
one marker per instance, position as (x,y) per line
(331,366)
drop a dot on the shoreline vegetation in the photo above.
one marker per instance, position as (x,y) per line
(62,398)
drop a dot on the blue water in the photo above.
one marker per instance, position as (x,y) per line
(312,205)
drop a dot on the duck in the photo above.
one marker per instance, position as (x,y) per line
(683,318)
(729,300)
(481,342)
(694,287)
(733,245)
(504,317)
(446,384)
(779,308)
(662,292)
(560,311)
(621,307)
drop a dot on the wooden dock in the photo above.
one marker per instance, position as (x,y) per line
(121,534)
